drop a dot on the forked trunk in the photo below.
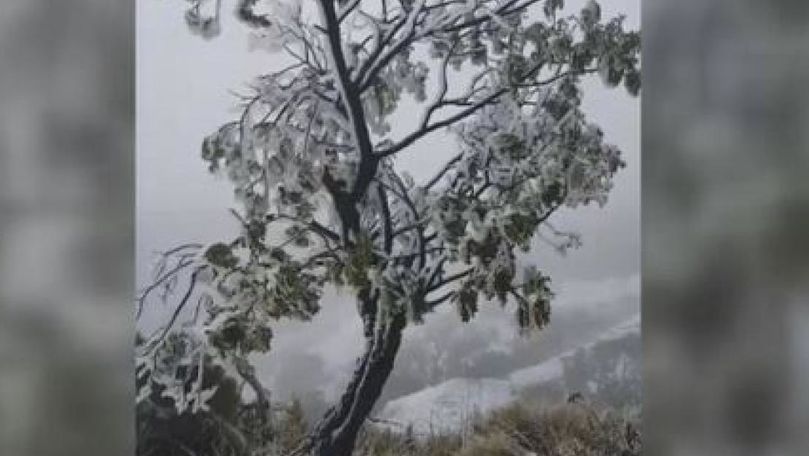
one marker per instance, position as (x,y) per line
(337,431)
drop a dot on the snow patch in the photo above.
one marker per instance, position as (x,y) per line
(452,405)
(448,406)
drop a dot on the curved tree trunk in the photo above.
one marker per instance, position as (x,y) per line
(336,433)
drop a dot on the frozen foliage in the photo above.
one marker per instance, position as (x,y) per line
(311,161)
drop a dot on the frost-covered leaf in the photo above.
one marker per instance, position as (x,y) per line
(591,13)
(311,159)
(221,255)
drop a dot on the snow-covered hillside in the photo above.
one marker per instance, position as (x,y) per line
(609,363)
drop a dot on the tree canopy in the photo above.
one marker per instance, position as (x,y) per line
(321,201)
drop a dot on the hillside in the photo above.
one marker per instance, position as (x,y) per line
(605,370)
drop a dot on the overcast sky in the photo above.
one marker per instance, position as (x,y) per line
(183,94)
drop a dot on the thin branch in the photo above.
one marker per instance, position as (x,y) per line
(443,171)
(386,219)
(439,268)
(177,310)
(505,9)
(440,300)
(473,108)
(420,133)
(419,231)
(450,279)
(442,88)
(309,127)
(312,225)
(413,226)
(557,77)
(347,10)
(373,66)
(381,43)
(153,286)
(417,254)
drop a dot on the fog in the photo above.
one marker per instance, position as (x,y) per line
(185,85)
(724,210)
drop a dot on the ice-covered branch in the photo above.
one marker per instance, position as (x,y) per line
(424,131)
(311,161)
(349,94)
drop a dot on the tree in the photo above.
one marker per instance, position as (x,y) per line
(312,159)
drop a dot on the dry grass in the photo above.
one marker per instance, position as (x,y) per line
(572,429)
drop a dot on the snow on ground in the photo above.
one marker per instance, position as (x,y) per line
(451,405)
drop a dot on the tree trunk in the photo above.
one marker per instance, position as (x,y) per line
(337,431)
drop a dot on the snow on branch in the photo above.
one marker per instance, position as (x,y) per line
(320,201)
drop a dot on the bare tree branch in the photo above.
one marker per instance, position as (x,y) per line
(420,133)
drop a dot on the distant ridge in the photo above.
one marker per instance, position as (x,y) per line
(447,406)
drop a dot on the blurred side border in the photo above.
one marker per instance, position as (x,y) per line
(725,210)
(66,227)
(725,206)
